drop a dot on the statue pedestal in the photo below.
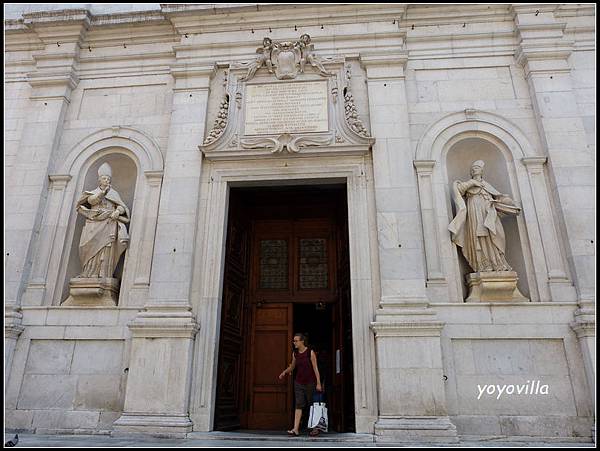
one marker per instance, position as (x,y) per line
(494,286)
(93,292)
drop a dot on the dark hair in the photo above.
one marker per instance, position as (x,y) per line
(303,336)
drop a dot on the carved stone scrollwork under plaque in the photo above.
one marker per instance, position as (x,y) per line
(285,141)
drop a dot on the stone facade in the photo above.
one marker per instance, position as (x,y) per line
(424,91)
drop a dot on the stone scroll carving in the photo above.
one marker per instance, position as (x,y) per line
(478,231)
(286,141)
(103,240)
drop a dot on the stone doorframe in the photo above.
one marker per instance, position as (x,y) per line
(207,284)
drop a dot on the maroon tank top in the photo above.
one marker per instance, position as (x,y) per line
(304,370)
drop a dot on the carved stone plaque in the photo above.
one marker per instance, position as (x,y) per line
(286,108)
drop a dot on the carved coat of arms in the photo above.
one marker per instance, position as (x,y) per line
(288,58)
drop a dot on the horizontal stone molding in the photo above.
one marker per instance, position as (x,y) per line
(584,329)
(408,329)
(164,321)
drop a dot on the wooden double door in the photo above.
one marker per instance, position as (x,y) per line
(283,275)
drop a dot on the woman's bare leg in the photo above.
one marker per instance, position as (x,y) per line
(297,418)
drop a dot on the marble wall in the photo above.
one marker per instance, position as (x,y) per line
(431,83)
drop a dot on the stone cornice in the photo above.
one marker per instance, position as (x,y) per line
(421,15)
(198,18)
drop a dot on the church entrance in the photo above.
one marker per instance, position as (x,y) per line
(286,270)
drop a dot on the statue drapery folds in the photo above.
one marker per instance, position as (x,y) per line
(477,228)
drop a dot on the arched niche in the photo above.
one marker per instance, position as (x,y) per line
(461,152)
(445,153)
(137,165)
(124,179)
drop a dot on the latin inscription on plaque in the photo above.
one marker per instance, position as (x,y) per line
(286,108)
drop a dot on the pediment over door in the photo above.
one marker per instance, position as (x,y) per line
(287,101)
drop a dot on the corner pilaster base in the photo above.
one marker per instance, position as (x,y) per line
(415,430)
(166,426)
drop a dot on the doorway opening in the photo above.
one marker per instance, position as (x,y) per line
(286,270)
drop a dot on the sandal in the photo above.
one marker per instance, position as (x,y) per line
(314,432)
(293,433)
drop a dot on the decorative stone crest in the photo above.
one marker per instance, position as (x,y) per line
(288,58)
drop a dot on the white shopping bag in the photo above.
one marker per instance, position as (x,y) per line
(318,417)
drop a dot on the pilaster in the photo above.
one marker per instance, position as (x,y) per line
(52,81)
(584,327)
(544,52)
(160,374)
(409,364)
(561,288)
(437,285)
(13,328)
(403,274)
(36,291)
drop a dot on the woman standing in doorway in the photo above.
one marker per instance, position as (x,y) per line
(305,360)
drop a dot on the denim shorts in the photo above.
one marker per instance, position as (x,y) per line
(304,394)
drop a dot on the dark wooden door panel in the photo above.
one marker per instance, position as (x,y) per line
(231,369)
(270,398)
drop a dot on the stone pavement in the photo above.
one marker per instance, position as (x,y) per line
(262,440)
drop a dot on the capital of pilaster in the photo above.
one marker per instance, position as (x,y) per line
(165,321)
(388,65)
(534,163)
(407,329)
(584,329)
(59,181)
(424,166)
(192,76)
(13,319)
(52,85)
(154,177)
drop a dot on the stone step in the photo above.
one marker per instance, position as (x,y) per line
(282,435)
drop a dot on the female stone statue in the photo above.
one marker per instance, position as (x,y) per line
(104,237)
(476,227)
